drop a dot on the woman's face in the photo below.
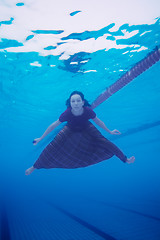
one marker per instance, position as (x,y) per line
(76,102)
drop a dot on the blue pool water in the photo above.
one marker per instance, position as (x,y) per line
(109,200)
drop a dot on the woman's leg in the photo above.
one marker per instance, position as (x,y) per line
(131,159)
(116,151)
(29,170)
(109,146)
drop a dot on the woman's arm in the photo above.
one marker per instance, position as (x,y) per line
(48,130)
(102,125)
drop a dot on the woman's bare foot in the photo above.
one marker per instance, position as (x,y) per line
(131,159)
(29,170)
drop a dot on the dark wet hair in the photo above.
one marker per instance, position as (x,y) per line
(86,103)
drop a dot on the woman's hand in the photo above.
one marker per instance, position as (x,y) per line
(36,141)
(115,132)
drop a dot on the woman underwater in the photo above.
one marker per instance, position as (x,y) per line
(79,143)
